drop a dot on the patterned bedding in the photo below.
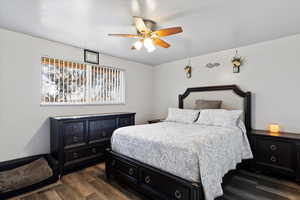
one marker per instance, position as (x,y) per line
(190,151)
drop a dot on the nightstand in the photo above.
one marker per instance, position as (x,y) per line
(276,152)
(154,121)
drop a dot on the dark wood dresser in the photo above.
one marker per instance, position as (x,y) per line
(77,141)
(276,152)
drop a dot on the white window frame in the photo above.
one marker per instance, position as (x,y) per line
(88,89)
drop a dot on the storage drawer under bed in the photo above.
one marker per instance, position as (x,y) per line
(149,180)
(125,168)
(167,186)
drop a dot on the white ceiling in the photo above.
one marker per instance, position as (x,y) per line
(208,25)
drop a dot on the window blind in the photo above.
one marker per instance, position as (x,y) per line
(65,82)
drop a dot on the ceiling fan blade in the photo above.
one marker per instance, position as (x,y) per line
(161,43)
(168,31)
(125,35)
(140,25)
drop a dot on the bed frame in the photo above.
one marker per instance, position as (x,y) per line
(158,184)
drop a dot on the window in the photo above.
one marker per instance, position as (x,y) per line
(65,82)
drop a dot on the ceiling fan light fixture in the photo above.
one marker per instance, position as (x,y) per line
(149,44)
(151,49)
(138,45)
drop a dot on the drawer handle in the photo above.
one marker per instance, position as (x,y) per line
(273,159)
(273,147)
(94,150)
(131,171)
(147,179)
(75,155)
(178,194)
(75,139)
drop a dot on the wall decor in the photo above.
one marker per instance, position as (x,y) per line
(91,56)
(188,70)
(237,62)
(212,65)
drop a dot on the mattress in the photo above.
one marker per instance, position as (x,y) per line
(193,152)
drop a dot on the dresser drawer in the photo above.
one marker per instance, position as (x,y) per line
(101,129)
(274,152)
(74,133)
(164,185)
(75,154)
(125,121)
(98,150)
(85,153)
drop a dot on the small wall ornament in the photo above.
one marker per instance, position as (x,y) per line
(237,62)
(212,65)
(188,70)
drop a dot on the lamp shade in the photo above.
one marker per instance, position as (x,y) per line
(274,128)
(138,45)
(148,43)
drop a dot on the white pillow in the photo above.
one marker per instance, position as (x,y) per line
(182,115)
(219,117)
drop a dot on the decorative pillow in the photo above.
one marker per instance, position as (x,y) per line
(182,115)
(25,175)
(219,117)
(207,104)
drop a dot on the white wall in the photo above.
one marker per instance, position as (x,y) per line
(24,124)
(271,73)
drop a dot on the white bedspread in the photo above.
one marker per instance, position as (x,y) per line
(193,152)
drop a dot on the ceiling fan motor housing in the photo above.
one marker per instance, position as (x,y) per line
(149,23)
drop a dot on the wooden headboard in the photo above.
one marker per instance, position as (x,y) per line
(246,97)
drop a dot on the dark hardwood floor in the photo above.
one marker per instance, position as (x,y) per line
(248,186)
(91,184)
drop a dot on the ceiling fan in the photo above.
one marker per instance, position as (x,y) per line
(147,36)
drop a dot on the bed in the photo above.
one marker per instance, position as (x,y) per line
(171,160)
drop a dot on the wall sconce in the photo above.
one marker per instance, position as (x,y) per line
(236,61)
(274,128)
(188,70)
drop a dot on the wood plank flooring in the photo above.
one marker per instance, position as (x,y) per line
(91,184)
